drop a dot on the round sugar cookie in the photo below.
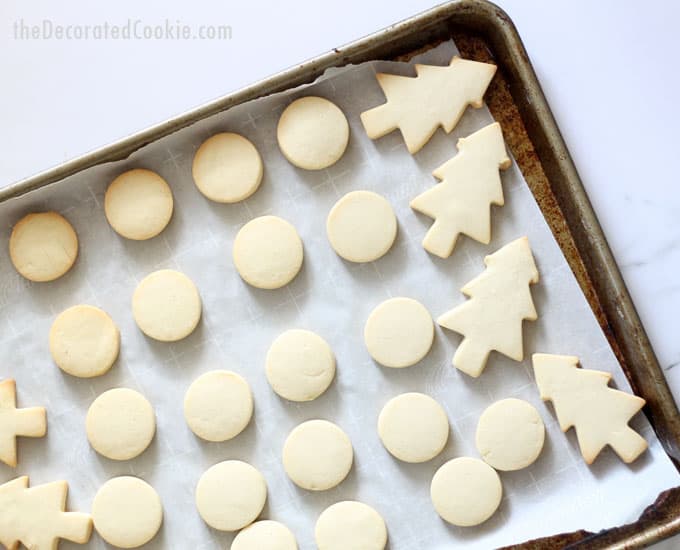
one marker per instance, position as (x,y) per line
(268,252)
(317,455)
(43,246)
(350,524)
(127,512)
(166,305)
(466,491)
(510,434)
(313,133)
(120,424)
(138,204)
(300,365)
(227,168)
(399,332)
(413,427)
(230,495)
(265,535)
(84,341)
(361,227)
(218,405)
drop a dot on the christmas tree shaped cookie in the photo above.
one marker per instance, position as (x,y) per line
(17,422)
(583,399)
(470,185)
(500,299)
(36,518)
(437,96)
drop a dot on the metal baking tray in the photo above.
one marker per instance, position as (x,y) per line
(483,32)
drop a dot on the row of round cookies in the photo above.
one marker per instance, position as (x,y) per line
(227,168)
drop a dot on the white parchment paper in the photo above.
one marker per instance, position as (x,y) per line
(330,296)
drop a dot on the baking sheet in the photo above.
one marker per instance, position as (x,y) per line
(332,297)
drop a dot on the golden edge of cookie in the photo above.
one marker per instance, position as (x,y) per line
(12,245)
(145,236)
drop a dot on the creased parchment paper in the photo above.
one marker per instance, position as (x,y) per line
(330,296)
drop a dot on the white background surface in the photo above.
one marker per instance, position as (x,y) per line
(607,68)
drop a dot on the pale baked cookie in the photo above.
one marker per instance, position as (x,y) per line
(38,518)
(399,332)
(470,184)
(43,246)
(218,405)
(84,341)
(120,424)
(350,525)
(466,491)
(268,252)
(127,512)
(317,455)
(230,495)
(31,422)
(500,299)
(138,204)
(300,365)
(227,168)
(510,434)
(265,535)
(437,96)
(413,427)
(313,133)
(582,399)
(166,305)
(361,227)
